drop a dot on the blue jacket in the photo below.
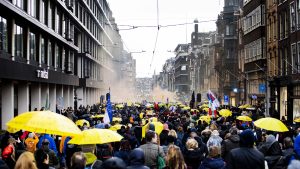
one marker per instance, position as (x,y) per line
(52,144)
(297,144)
(212,163)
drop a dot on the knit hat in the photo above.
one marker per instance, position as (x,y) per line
(247,138)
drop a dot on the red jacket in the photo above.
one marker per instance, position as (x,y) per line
(8,151)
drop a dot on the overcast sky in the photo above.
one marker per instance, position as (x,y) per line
(144,13)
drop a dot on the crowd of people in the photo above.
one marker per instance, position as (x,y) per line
(184,143)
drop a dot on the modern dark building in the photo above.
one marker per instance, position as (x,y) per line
(53,54)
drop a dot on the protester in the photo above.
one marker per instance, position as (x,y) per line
(246,157)
(8,153)
(137,159)
(78,161)
(53,160)
(113,163)
(152,150)
(174,158)
(26,161)
(52,144)
(231,142)
(193,155)
(42,160)
(124,151)
(31,142)
(214,160)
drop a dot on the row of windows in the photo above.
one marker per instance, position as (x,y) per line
(295,60)
(254,51)
(294,16)
(254,19)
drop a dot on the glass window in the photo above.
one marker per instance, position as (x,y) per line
(18,41)
(44,13)
(32,46)
(19,3)
(43,51)
(183,67)
(32,8)
(58,56)
(292,16)
(3,34)
(50,53)
(58,22)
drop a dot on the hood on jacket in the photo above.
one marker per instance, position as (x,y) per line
(137,157)
(234,138)
(213,163)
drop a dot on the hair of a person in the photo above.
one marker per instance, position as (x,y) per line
(191,143)
(78,160)
(150,135)
(125,145)
(288,142)
(214,151)
(26,161)
(173,133)
(175,158)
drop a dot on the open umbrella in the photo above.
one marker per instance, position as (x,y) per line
(96,136)
(116,127)
(206,109)
(44,122)
(117,119)
(271,124)
(186,108)
(81,122)
(225,112)
(244,118)
(90,158)
(98,116)
(158,128)
(297,120)
(120,106)
(205,118)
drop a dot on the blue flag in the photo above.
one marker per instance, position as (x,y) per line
(108,113)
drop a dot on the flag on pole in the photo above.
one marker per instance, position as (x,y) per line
(108,112)
(213,99)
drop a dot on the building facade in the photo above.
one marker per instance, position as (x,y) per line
(53,54)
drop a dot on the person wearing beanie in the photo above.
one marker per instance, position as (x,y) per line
(163,136)
(246,156)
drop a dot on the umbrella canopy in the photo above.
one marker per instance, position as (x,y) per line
(186,108)
(96,136)
(297,120)
(204,106)
(44,122)
(120,106)
(250,108)
(206,109)
(194,110)
(244,106)
(244,118)
(158,128)
(81,122)
(205,118)
(271,124)
(225,112)
(98,116)
(117,119)
(116,127)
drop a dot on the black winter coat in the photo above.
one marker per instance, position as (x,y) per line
(137,160)
(231,143)
(245,158)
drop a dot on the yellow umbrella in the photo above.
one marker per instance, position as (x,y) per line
(205,118)
(81,122)
(116,127)
(120,106)
(137,105)
(117,119)
(244,118)
(271,124)
(225,112)
(204,106)
(194,110)
(153,119)
(158,128)
(150,112)
(141,115)
(96,136)
(90,158)
(98,116)
(244,106)
(186,108)
(206,109)
(44,122)
(297,120)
